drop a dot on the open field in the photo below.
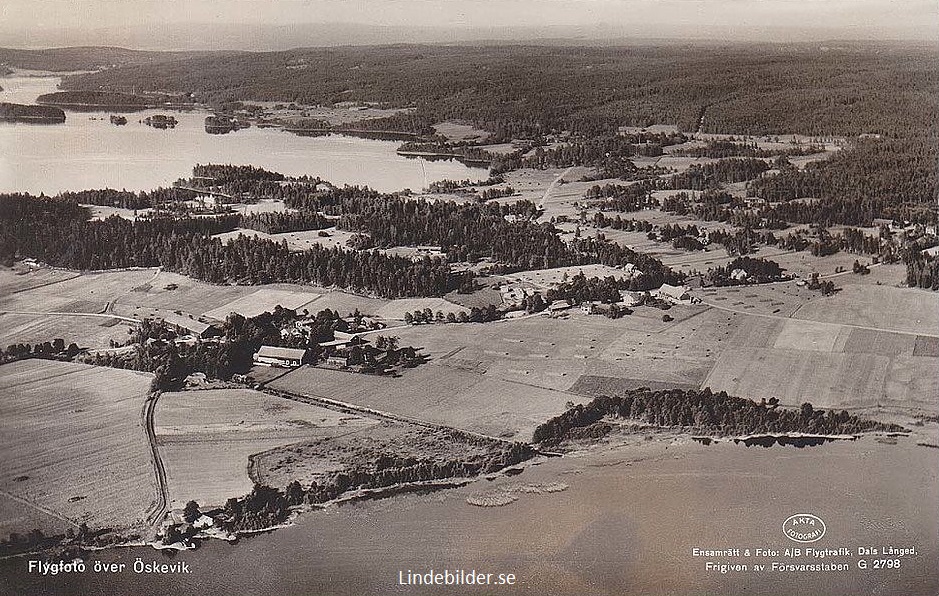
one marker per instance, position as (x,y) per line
(480,298)
(87,293)
(396,309)
(822,361)
(105,211)
(345,303)
(241,411)
(264,300)
(692,260)
(87,332)
(544,278)
(72,441)
(171,291)
(262,206)
(414,253)
(21,517)
(880,307)
(832,366)
(803,264)
(543,351)
(533,185)
(459,131)
(308,239)
(443,395)
(206,437)
(661,218)
(208,471)
(811,336)
(225,237)
(23,278)
(883,307)
(778,299)
(826,380)
(679,354)
(340,113)
(194,297)
(297,241)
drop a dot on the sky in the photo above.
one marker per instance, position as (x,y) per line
(147,23)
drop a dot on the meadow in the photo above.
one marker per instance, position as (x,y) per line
(206,438)
(72,441)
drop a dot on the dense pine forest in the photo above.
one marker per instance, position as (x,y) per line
(60,232)
(527,90)
(878,99)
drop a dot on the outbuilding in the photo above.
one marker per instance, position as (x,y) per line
(277,356)
(674,294)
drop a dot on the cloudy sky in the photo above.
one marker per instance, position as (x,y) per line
(32,22)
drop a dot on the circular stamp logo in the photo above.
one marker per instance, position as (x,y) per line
(804,527)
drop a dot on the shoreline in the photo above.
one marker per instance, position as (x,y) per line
(436,155)
(645,450)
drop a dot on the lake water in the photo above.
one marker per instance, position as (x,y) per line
(623,527)
(83,153)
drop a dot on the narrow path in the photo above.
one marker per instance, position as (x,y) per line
(42,285)
(158,510)
(790,318)
(70,314)
(350,408)
(46,510)
(552,186)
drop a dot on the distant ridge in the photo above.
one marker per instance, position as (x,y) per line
(269,37)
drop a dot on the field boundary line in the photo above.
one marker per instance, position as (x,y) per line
(69,314)
(351,408)
(791,318)
(39,507)
(48,283)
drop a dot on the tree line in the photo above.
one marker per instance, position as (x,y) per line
(59,233)
(704,412)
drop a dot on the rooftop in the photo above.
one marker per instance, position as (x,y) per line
(277,352)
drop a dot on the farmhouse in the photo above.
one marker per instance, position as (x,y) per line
(594,307)
(276,356)
(512,295)
(558,306)
(343,340)
(339,359)
(628,298)
(588,308)
(674,294)
(188,325)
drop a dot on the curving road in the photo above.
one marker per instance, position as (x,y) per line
(160,505)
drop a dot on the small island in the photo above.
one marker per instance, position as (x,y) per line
(221,124)
(118,120)
(30,114)
(87,99)
(161,121)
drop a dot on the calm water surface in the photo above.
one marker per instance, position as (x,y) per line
(83,153)
(621,528)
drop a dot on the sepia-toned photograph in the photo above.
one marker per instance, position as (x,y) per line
(469,297)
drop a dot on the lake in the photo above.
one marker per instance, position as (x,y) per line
(627,524)
(87,151)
